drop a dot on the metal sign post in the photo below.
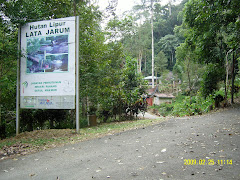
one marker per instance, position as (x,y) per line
(18,81)
(77,73)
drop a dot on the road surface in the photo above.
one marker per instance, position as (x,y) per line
(202,147)
(147,116)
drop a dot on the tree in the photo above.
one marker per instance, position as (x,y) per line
(23,11)
(160,63)
(8,55)
(188,69)
(168,45)
(118,28)
(143,8)
(133,85)
(132,80)
(91,37)
(139,42)
(213,30)
(109,88)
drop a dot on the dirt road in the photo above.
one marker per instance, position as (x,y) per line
(203,147)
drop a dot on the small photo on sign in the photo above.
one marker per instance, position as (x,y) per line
(47,54)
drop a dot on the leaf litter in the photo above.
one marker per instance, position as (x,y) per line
(30,142)
(38,140)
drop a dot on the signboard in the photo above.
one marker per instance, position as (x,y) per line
(47,73)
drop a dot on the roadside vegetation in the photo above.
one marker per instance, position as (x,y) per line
(34,141)
(190,105)
(196,41)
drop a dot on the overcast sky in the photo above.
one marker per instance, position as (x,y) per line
(124,5)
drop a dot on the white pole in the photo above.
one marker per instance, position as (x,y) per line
(152,46)
(77,72)
(18,82)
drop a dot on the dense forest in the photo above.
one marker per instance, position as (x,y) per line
(194,45)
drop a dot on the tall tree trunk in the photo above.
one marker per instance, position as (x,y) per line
(145,65)
(140,61)
(227,74)
(172,53)
(188,75)
(0,108)
(170,7)
(156,77)
(233,79)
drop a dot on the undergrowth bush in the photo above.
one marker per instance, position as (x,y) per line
(193,105)
(164,109)
(186,106)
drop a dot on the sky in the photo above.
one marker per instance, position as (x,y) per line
(125,5)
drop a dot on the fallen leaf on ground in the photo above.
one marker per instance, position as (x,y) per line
(164,150)
(160,162)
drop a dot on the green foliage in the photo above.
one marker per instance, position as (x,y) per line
(138,42)
(45,119)
(187,69)
(160,63)
(213,74)
(164,109)
(168,45)
(117,28)
(120,91)
(8,56)
(133,84)
(212,30)
(23,11)
(194,105)
(108,77)
(92,49)
(187,106)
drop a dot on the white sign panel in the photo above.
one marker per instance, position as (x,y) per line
(48,64)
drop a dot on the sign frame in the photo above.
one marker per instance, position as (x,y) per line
(47,70)
(45,45)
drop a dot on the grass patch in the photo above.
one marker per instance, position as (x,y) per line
(29,142)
